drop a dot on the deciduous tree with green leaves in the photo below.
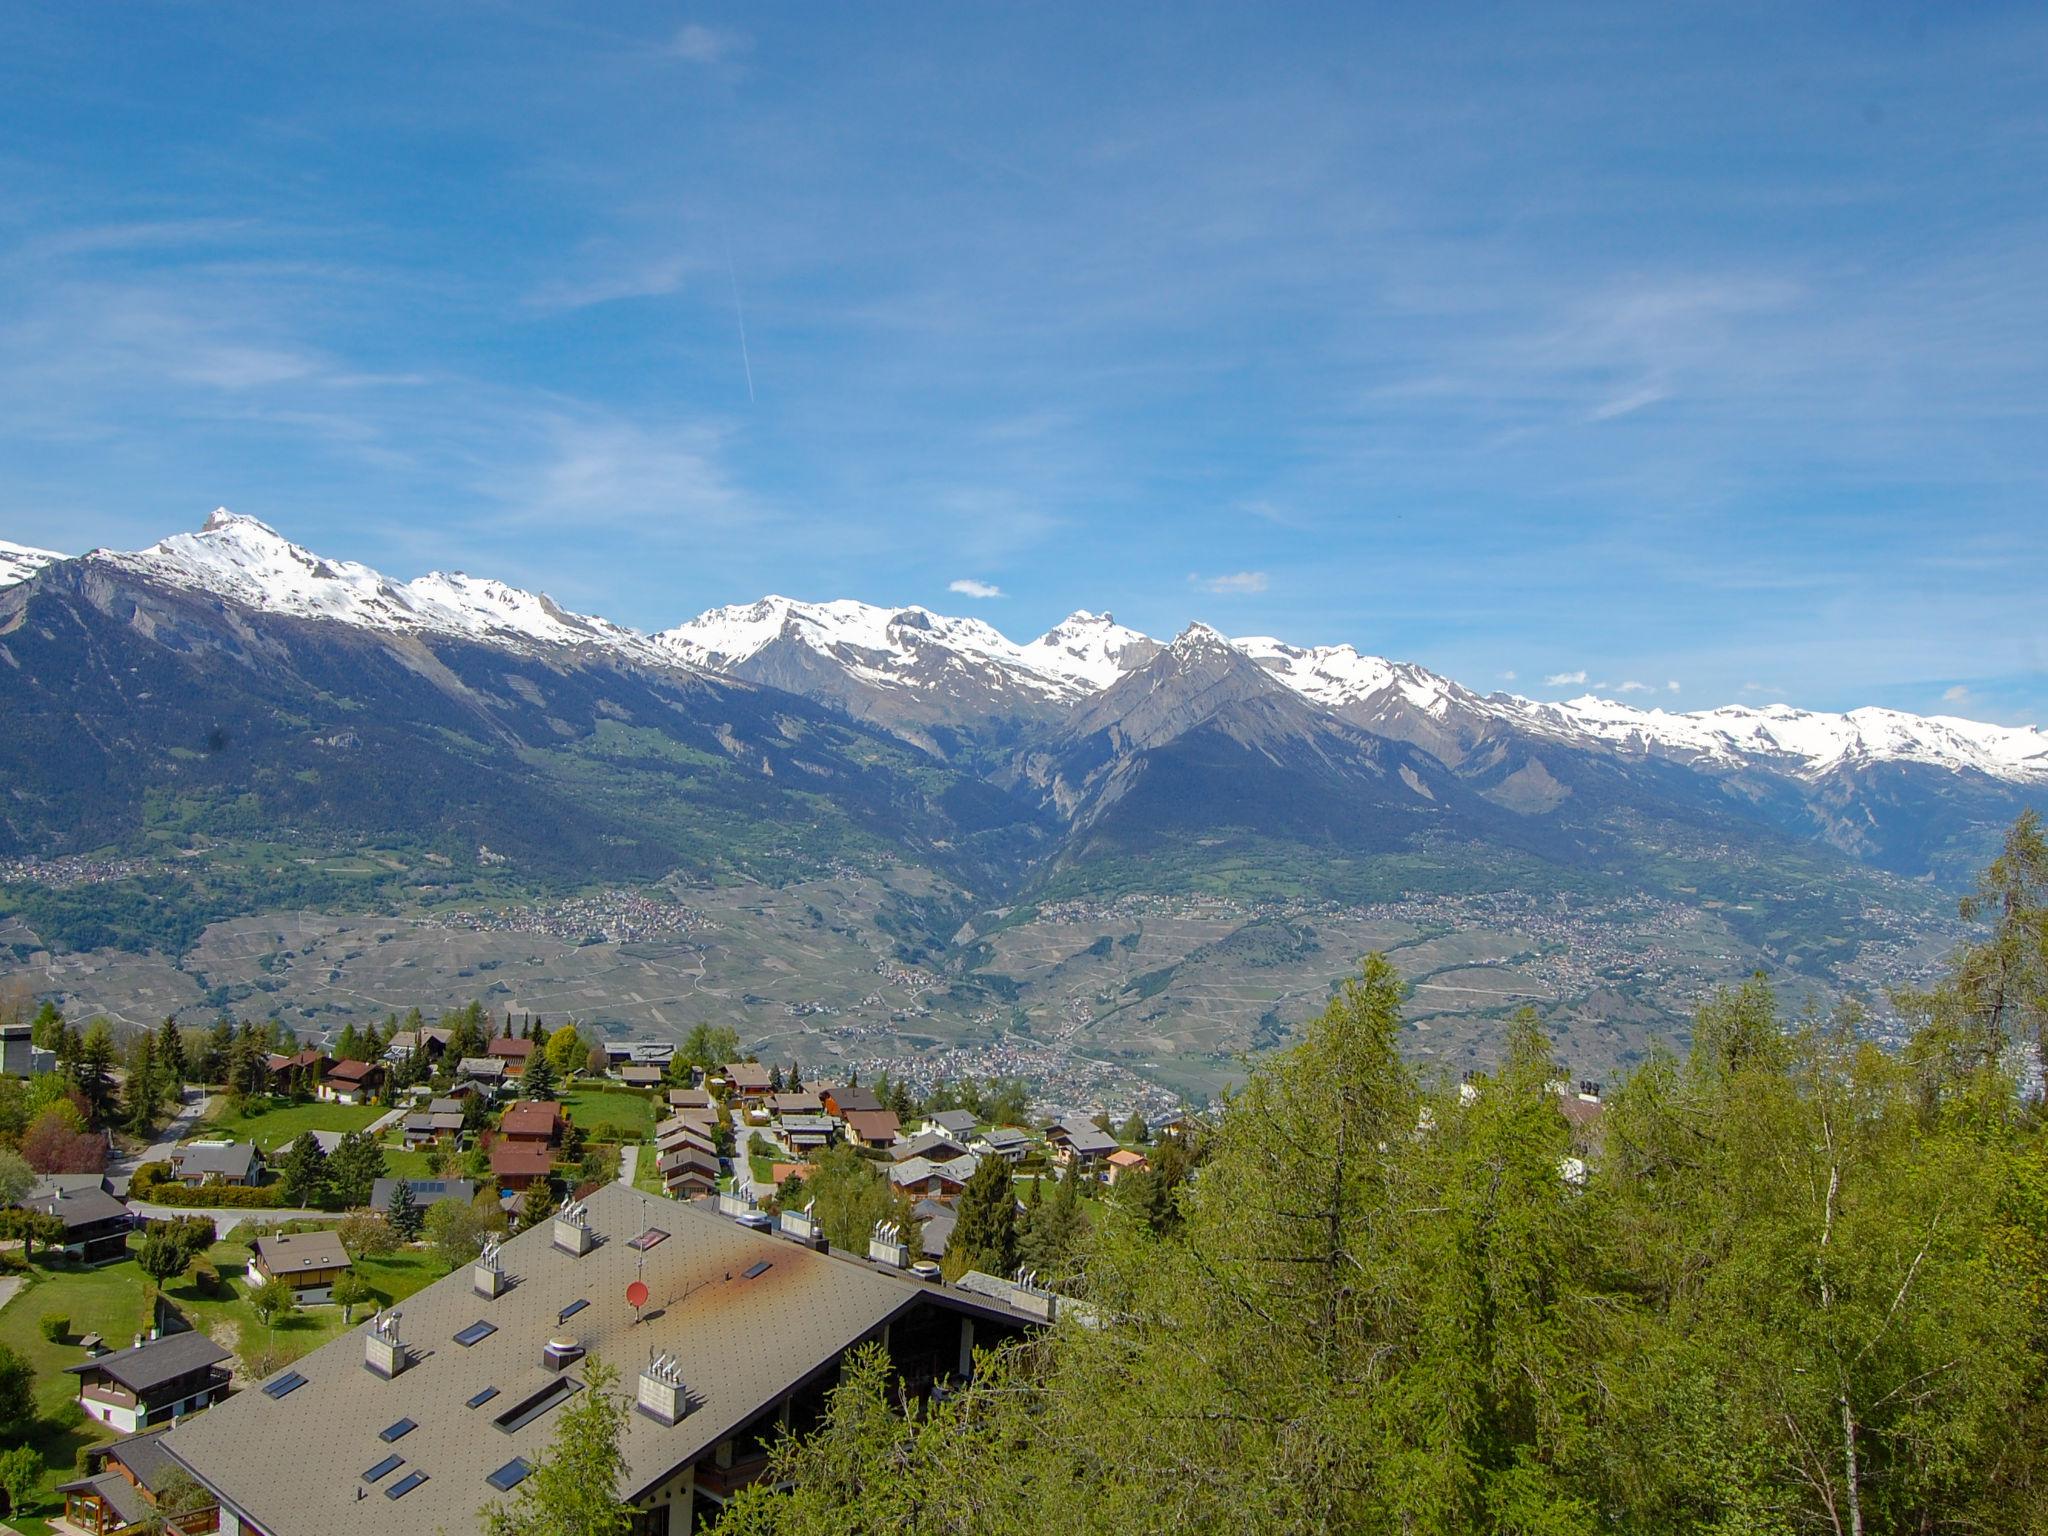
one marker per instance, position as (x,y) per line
(573,1488)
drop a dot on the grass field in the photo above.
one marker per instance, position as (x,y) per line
(112,1302)
(609,1115)
(282,1124)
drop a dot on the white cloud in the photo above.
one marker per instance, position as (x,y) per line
(967,586)
(1508,676)
(706,45)
(1564,679)
(1959,694)
(1236,584)
(1672,686)
(1763,688)
(1632,686)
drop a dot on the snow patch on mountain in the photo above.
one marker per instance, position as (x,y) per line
(1337,677)
(250,563)
(1806,743)
(1091,649)
(18,562)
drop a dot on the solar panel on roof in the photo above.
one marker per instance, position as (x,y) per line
(397,1431)
(571,1310)
(285,1385)
(758,1268)
(405,1485)
(510,1475)
(648,1239)
(483,1397)
(384,1468)
(475,1333)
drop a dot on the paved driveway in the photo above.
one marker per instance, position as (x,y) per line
(193,1107)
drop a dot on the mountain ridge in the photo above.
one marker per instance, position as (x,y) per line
(941,670)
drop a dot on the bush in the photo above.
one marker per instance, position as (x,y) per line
(240,1197)
(147,1178)
(207,1278)
(56,1327)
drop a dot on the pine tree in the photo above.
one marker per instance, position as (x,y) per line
(775,1079)
(404,1214)
(170,1055)
(143,1089)
(354,1169)
(94,1073)
(304,1175)
(796,1078)
(1134,1132)
(985,1234)
(539,1082)
(538,1203)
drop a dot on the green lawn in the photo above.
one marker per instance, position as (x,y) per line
(611,1116)
(110,1301)
(280,1124)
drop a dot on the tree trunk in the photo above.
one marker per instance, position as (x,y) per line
(1851,1481)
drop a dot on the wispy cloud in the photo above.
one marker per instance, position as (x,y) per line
(1763,689)
(1632,686)
(967,586)
(1672,686)
(1508,676)
(1959,694)
(1564,679)
(1236,584)
(698,44)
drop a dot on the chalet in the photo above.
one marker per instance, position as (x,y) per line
(96,1225)
(799,1103)
(872,1128)
(640,1053)
(20,1056)
(518,1165)
(951,1122)
(487,1072)
(462,1395)
(288,1073)
(1084,1147)
(217,1162)
(689,1098)
(1121,1162)
(1004,1141)
(538,1122)
(132,1485)
(688,1172)
(308,1262)
(352,1082)
(513,1052)
(407,1043)
(425,1192)
(684,1130)
(636,1074)
(804,1133)
(935,1146)
(431,1129)
(1181,1127)
(152,1383)
(748,1081)
(937,1181)
(841,1102)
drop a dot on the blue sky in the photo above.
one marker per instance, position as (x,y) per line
(1654,343)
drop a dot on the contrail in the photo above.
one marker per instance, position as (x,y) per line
(740,313)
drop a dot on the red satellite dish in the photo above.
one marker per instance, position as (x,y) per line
(636,1294)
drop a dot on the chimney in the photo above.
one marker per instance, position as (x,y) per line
(559,1353)
(1027,1295)
(572,1231)
(1589,1092)
(485,1277)
(383,1352)
(661,1395)
(886,1246)
(802,1227)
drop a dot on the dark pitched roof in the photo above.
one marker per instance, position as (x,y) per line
(713,1282)
(873,1124)
(237,1160)
(425,1192)
(117,1493)
(513,1049)
(155,1361)
(346,1072)
(958,1121)
(145,1456)
(532,1117)
(517,1157)
(846,1100)
(77,1207)
(297,1252)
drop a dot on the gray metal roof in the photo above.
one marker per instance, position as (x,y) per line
(744,1343)
(425,1192)
(297,1252)
(155,1361)
(236,1160)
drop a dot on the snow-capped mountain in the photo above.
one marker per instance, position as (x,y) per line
(942,681)
(914,648)
(18,562)
(1805,743)
(249,563)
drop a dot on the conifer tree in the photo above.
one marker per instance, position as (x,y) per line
(985,1233)
(170,1055)
(404,1213)
(539,1081)
(303,1178)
